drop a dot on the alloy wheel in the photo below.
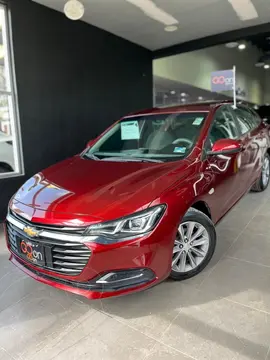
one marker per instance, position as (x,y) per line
(190,247)
(265,171)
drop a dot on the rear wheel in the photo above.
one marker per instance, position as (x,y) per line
(194,245)
(262,183)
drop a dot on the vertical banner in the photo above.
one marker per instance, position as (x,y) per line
(224,80)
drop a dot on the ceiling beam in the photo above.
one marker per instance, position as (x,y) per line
(212,40)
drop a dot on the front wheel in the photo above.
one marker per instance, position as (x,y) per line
(194,245)
(262,183)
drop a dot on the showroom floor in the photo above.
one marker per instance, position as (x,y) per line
(223,313)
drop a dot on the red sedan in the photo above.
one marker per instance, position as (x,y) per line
(140,203)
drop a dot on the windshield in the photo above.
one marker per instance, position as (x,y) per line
(162,137)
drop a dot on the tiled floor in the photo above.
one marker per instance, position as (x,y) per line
(223,313)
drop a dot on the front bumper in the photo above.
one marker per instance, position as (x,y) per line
(90,289)
(148,256)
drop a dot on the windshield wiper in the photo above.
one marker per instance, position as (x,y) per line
(150,160)
(127,159)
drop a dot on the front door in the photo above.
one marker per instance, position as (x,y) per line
(221,170)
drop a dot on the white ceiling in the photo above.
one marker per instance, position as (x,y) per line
(197,19)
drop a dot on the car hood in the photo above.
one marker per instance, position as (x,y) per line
(102,189)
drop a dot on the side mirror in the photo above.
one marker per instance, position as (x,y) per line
(225,147)
(90,143)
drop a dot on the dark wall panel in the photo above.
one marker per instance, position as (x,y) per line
(73,81)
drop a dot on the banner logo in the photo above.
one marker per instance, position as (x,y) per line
(222,80)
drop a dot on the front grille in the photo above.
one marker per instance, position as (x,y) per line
(63,257)
(71,258)
(67,229)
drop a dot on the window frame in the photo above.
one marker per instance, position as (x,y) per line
(245,108)
(12,95)
(207,144)
(220,108)
(256,116)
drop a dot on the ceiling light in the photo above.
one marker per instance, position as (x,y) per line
(154,12)
(183,94)
(266,66)
(183,100)
(259,64)
(171,28)
(200,98)
(241,46)
(172,92)
(231,45)
(74,9)
(244,9)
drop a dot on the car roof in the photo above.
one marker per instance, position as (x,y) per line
(201,106)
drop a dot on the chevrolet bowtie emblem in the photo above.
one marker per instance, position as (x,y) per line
(31,231)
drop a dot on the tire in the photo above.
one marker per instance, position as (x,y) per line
(262,183)
(186,251)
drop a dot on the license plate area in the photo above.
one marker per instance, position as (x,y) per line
(31,251)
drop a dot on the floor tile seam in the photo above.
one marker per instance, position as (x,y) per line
(233,301)
(232,244)
(246,261)
(76,342)
(78,323)
(217,263)
(172,348)
(230,301)
(58,341)
(11,285)
(6,274)
(10,355)
(157,341)
(15,303)
(246,306)
(268,351)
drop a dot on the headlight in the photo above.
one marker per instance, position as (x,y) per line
(130,226)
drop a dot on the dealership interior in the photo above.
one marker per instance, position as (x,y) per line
(69,69)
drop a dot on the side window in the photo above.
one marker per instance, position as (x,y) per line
(246,120)
(257,118)
(224,126)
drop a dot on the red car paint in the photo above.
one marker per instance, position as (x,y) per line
(79,192)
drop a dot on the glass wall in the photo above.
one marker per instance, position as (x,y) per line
(11,162)
(186,77)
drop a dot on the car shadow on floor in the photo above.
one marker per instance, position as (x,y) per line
(192,315)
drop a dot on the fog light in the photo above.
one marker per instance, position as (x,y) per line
(125,278)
